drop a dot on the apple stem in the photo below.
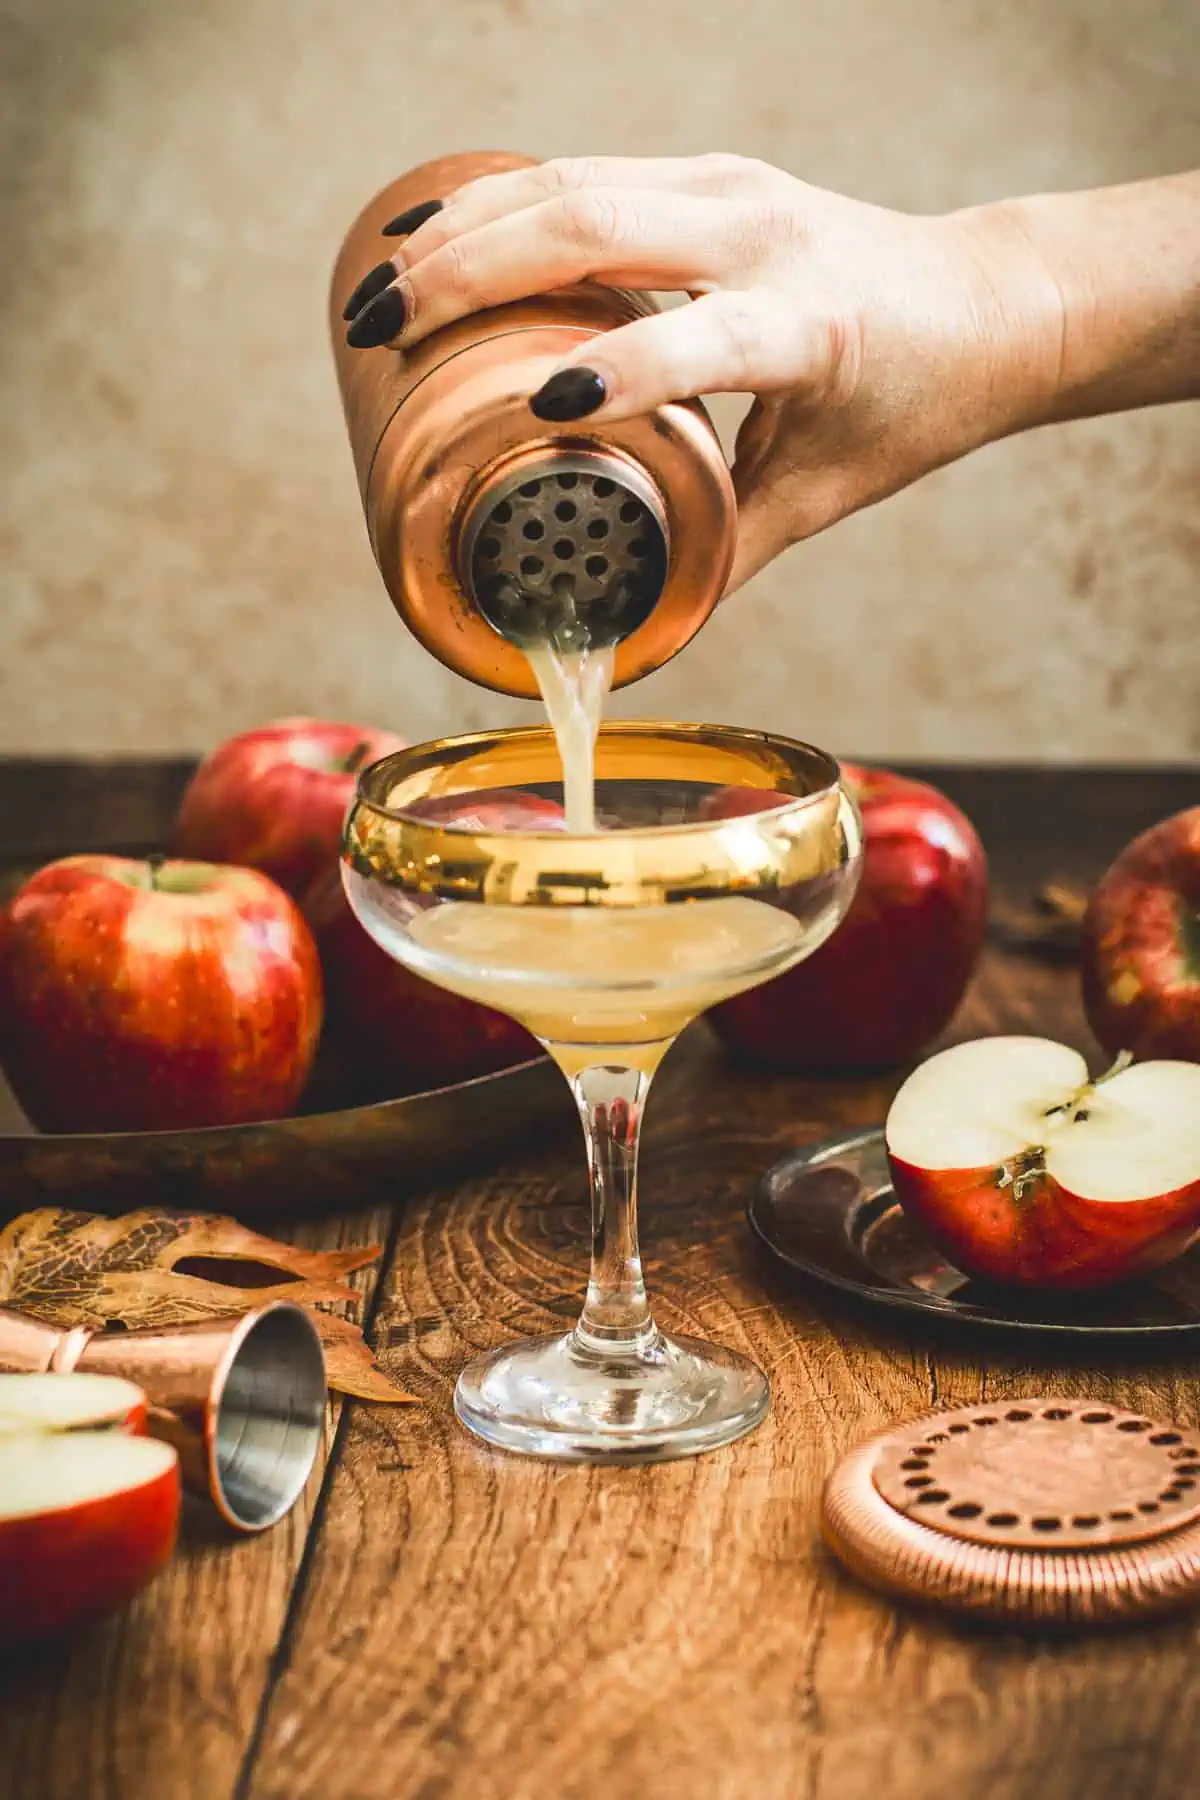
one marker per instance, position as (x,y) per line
(1076,1107)
(1124,1058)
(356,758)
(153,865)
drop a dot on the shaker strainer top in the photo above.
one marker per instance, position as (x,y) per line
(571,548)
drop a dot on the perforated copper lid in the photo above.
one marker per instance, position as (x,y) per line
(1046,1510)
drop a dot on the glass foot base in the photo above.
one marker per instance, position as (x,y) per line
(557,1397)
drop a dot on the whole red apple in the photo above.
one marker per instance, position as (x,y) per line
(1025,1171)
(1141,944)
(274,799)
(144,997)
(891,976)
(390,1030)
(88,1510)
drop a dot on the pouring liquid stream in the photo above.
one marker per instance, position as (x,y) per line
(574,685)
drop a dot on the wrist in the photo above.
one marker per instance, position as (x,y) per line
(1018,316)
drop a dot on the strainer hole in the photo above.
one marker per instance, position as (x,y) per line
(1018,1415)
(531,565)
(533,529)
(1085,1521)
(966,1509)
(602,487)
(489,546)
(936,1437)
(502,513)
(1134,1425)
(1169,1494)
(1147,1506)
(919,1481)
(565,510)
(914,1462)
(1096,1418)
(933,1497)
(1184,1481)
(564,549)
(1046,1522)
(1056,1412)
(631,512)
(598,528)
(1002,1520)
(1166,1437)
(1121,1515)
(531,489)
(569,480)
(957,1430)
(639,546)
(597,566)
(986,1419)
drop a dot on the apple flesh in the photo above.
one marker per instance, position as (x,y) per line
(89,1510)
(274,799)
(75,1402)
(144,998)
(1024,1171)
(1141,945)
(893,973)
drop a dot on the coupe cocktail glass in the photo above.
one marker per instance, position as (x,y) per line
(725,857)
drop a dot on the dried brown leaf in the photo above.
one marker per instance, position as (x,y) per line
(75,1268)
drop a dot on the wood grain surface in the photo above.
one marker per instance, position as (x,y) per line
(440,1622)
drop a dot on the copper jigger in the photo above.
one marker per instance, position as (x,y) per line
(242,1400)
(489,525)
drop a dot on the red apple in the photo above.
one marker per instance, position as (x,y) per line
(274,799)
(390,1029)
(892,975)
(1141,945)
(136,997)
(88,1510)
(70,1403)
(1022,1170)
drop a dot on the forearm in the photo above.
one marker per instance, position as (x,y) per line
(1108,317)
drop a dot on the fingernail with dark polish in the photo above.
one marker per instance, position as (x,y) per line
(372,283)
(379,322)
(571,394)
(406,222)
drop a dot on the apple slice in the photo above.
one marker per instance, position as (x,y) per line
(75,1402)
(1024,1170)
(87,1518)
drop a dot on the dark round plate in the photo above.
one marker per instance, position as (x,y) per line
(828,1212)
(340,1156)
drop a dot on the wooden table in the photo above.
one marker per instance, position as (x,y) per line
(437,1622)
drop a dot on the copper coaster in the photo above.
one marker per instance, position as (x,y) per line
(1041,1510)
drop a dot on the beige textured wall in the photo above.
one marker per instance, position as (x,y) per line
(181,551)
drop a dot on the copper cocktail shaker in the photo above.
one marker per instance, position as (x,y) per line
(492,529)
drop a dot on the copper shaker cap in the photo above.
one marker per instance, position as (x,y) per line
(1039,1511)
(492,528)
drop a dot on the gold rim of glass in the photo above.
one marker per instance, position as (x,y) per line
(798,835)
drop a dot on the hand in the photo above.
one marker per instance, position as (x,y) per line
(877,345)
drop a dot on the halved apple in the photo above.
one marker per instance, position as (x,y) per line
(75,1402)
(88,1509)
(1023,1169)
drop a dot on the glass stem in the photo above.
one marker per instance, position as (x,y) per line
(616,1317)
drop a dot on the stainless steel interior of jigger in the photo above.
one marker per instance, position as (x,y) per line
(569,549)
(270,1414)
